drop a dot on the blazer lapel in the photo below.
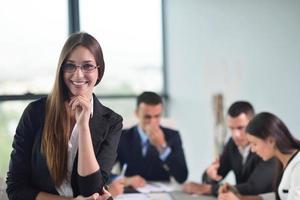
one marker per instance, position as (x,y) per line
(137,144)
(98,123)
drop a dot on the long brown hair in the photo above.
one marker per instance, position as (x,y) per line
(57,128)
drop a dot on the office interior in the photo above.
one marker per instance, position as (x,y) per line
(244,50)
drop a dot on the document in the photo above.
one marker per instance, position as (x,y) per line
(133,196)
(139,196)
(160,196)
(155,187)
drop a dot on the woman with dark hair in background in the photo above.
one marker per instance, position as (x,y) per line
(270,137)
(65,144)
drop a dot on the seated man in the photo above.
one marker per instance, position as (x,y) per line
(252,174)
(151,152)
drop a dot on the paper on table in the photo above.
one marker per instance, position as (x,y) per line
(139,196)
(160,195)
(155,187)
(133,196)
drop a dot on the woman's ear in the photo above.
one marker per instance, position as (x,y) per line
(271,141)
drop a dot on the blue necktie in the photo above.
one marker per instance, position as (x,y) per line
(145,147)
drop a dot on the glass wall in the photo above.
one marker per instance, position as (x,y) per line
(10,114)
(32,34)
(130,33)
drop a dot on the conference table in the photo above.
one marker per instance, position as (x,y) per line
(161,191)
(175,195)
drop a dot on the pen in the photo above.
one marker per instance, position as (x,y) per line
(232,189)
(123,171)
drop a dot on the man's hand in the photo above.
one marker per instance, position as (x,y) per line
(196,188)
(105,196)
(156,136)
(135,181)
(117,187)
(228,188)
(212,171)
(228,196)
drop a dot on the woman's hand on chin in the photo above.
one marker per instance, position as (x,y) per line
(81,105)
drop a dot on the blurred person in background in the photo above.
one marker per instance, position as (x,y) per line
(269,137)
(150,151)
(252,174)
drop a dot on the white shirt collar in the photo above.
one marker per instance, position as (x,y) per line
(244,152)
(92,106)
(142,134)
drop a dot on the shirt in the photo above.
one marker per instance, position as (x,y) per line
(65,189)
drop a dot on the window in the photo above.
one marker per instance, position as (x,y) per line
(130,33)
(9,118)
(32,34)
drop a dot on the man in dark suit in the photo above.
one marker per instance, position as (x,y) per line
(150,151)
(253,175)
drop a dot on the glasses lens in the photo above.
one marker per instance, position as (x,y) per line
(69,67)
(87,67)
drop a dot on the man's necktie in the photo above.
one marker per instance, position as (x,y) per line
(145,147)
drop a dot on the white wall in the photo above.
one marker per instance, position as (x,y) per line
(245,49)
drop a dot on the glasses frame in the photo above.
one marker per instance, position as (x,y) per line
(80,67)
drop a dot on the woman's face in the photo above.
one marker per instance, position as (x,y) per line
(80,82)
(263,148)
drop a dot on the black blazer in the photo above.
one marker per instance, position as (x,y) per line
(151,167)
(252,178)
(28,172)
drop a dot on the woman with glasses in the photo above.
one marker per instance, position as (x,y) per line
(269,137)
(65,144)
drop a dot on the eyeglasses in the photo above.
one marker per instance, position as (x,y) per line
(85,68)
